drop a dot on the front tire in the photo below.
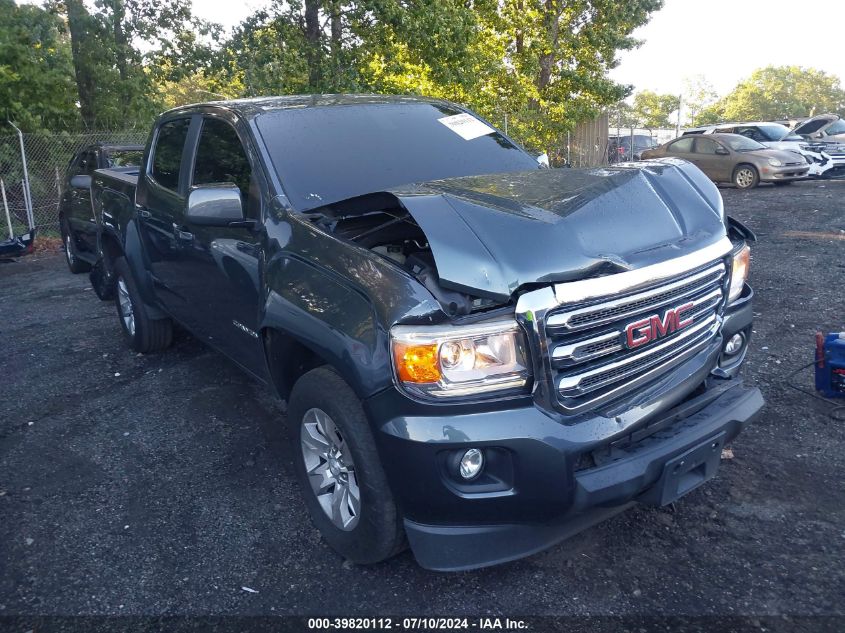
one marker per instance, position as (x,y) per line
(74,264)
(142,333)
(339,470)
(746,177)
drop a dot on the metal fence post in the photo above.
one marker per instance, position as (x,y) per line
(6,208)
(27,194)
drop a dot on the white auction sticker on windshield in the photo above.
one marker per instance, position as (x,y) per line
(466,126)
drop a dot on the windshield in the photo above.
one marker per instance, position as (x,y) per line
(327,154)
(774,131)
(837,127)
(742,143)
(124,157)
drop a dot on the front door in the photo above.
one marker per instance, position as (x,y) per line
(81,216)
(217,274)
(716,166)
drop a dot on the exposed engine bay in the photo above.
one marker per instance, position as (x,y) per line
(380,224)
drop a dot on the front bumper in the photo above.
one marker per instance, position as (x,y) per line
(779,174)
(551,476)
(600,493)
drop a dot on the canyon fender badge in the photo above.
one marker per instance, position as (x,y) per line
(241,326)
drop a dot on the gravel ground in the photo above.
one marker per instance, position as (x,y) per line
(162,484)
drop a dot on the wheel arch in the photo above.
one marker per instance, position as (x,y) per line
(310,314)
(288,359)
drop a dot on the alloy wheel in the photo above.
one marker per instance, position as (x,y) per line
(126,311)
(744,178)
(331,471)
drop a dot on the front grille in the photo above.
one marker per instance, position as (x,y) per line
(590,357)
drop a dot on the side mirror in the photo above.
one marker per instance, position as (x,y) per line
(722,151)
(215,205)
(80,181)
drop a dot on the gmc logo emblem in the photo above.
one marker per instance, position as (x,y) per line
(653,328)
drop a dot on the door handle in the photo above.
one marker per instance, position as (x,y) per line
(144,214)
(181,235)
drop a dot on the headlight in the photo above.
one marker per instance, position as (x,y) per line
(739,272)
(774,162)
(455,361)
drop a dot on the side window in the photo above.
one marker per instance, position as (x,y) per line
(167,154)
(752,133)
(682,146)
(221,158)
(704,146)
(86,164)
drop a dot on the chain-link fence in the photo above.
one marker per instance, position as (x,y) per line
(47,158)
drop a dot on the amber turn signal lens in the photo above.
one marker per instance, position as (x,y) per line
(416,363)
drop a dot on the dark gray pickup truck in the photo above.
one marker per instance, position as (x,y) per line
(480,356)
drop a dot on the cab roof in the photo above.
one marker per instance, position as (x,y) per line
(252,107)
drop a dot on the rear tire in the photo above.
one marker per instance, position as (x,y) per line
(142,333)
(74,264)
(746,177)
(346,492)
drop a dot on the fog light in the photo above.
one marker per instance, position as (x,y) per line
(471,463)
(734,344)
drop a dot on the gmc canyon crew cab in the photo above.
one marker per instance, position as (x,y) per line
(480,356)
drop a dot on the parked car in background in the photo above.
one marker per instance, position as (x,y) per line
(619,147)
(824,159)
(735,158)
(76,219)
(824,127)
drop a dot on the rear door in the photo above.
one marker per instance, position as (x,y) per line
(160,205)
(682,148)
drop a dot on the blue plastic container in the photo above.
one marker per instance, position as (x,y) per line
(830,364)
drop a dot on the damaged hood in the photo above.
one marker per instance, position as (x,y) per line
(492,234)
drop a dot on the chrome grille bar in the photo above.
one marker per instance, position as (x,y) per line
(649,300)
(603,375)
(612,342)
(577,329)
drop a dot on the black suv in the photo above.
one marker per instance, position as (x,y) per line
(76,217)
(619,147)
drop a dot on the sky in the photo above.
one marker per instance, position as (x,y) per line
(723,40)
(726,40)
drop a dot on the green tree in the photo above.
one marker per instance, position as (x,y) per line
(36,75)
(698,95)
(779,93)
(114,78)
(541,63)
(652,110)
